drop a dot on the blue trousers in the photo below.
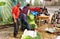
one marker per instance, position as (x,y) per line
(24,22)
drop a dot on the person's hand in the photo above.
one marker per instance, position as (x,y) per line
(15,21)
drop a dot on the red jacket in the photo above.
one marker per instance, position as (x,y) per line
(35,9)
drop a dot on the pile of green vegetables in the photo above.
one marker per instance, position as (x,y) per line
(31,21)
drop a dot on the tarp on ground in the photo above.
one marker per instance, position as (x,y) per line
(5,10)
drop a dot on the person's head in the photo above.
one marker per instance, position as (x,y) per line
(45,7)
(19,4)
(28,5)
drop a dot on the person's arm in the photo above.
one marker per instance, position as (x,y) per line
(14,17)
(13,13)
(28,12)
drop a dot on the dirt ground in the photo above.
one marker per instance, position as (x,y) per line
(7,33)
